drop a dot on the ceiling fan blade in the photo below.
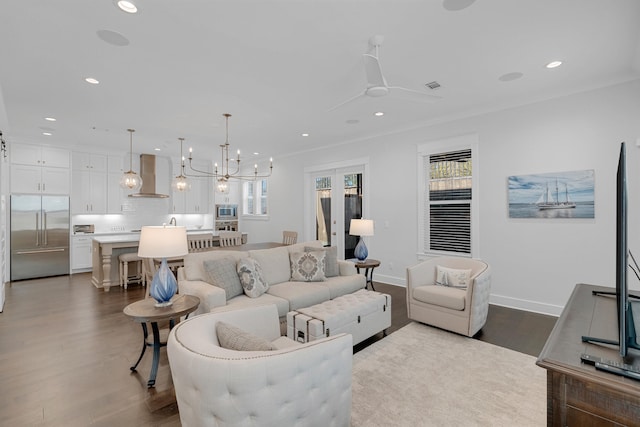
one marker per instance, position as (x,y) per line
(363,93)
(416,95)
(373,71)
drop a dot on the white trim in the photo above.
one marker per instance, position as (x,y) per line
(461,142)
(527,305)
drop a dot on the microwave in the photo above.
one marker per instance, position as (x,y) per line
(226,212)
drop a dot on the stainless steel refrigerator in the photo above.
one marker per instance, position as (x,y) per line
(39,236)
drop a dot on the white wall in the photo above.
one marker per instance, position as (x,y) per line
(535,263)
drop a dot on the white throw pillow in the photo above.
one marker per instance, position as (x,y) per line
(456,278)
(308,266)
(234,338)
(251,278)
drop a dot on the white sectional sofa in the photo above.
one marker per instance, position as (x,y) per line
(285,294)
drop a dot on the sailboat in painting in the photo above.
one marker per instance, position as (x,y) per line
(547,201)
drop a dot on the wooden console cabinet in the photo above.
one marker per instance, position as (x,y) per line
(578,394)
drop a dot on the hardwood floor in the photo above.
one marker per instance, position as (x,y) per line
(66,348)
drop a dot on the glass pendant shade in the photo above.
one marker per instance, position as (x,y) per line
(131,181)
(180,183)
(222,186)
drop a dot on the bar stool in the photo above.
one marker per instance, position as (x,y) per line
(125,259)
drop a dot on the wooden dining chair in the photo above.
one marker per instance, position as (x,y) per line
(230,238)
(289,237)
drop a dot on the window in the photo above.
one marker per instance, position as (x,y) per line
(448,210)
(255,197)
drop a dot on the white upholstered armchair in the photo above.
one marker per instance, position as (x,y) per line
(297,385)
(456,309)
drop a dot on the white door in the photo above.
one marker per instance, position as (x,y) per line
(335,196)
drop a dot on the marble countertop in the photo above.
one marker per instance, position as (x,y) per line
(135,236)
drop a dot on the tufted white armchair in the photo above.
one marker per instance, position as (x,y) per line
(297,385)
(463,311)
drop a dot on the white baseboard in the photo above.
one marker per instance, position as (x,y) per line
(527,305)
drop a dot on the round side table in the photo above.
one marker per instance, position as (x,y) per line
(145,311)
(369,265)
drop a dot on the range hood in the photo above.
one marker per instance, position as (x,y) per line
(148,175)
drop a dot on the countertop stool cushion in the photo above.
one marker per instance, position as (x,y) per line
(125,259)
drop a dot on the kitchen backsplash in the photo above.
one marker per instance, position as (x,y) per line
(140,212)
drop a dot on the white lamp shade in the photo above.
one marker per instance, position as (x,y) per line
(163,242)
(361,227)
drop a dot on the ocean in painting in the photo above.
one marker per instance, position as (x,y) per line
(527,210)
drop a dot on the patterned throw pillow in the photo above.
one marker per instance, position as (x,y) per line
(452,277)
(222,273)
(234,338)
(331,268)
(307,266)
(251,277)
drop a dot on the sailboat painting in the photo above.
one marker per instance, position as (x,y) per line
(553,195)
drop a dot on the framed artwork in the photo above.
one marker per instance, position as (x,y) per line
(553,195)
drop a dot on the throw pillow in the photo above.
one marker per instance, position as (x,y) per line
(251,277)
(331,268)
(222,273)
(234,338)
(453,277)
(307,266)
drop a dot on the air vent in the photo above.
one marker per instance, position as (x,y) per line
(432,85)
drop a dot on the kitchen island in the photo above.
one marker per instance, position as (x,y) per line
(107,248)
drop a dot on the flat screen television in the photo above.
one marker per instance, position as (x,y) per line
(626,327)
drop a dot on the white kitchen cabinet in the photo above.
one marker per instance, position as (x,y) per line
(233,197)
(115,193)
(89,192)
(81,252)
(38,169)
(38,179)
(88,162)
(38,155)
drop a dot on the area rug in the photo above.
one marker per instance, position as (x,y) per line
(423,376)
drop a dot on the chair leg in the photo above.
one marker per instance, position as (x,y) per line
(120,282)
(126,274)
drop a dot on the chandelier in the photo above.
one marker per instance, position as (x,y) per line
(226,171)
(131,180)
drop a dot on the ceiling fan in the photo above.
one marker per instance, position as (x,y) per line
(376,83)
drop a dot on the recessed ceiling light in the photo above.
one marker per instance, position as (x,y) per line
(255,153)
(50,119)
(305,134)
(378,114)
(47,133)
(510,76)
(126,6)
(92,80)
(157,149)
(554,64)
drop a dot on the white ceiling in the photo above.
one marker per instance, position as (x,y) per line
(278,65)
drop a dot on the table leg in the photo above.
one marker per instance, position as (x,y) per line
(156,354)
(106,271)
(368,273)
(145,333)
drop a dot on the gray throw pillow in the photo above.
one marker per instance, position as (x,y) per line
(307,266)
(234,338)
(222,273)
(251,277)
(331,268)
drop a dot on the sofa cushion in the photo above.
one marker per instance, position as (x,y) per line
(194,262)
(243,301)
(251,277)
(234,338)
(331,259)
(223,274)
(443,296)
(274,263)
(307,266)
(457,278)
(343,285)
(300,294)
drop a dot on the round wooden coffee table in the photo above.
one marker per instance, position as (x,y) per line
(145,311)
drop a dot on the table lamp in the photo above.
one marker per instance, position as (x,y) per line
(163,242)
(361,227)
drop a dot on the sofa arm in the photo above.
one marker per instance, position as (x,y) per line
(210,296)
(347,268)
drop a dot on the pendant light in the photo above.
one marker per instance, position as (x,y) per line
(180,182)
(131,180)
